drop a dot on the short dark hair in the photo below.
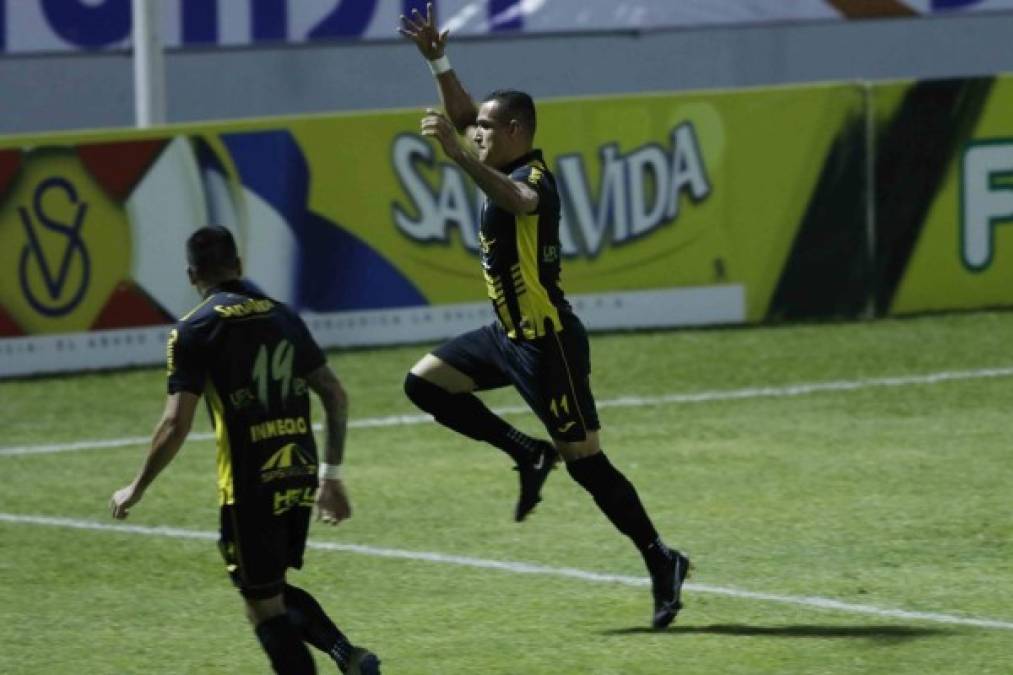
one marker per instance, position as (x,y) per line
(211,252)
(516,105)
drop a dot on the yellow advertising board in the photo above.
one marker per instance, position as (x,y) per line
(658,191)
(944,212)
(677,209)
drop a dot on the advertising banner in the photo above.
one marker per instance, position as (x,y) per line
(678,210)
(65,25)
(944,207)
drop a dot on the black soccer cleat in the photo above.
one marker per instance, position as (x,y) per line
(361,661)
(668,569)
(532,478)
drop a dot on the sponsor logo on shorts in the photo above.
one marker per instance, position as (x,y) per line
(284,500)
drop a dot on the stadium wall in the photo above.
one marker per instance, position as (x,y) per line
(746,206)
(94,89)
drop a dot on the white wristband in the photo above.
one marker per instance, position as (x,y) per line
(329,471)
(440,65)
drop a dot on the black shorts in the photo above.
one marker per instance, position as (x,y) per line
(259,546)
(552,373)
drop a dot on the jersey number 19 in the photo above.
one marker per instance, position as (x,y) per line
(277,366)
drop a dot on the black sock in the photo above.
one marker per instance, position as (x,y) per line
(615,496)
(467,415)
(315,627)
(656,552)
(284,647)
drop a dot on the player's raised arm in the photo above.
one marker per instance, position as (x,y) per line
(460,108)
(514,196)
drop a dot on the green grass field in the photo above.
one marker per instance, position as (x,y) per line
(881,497)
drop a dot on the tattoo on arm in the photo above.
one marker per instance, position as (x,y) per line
(327,387)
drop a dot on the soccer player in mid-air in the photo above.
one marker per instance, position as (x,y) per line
(537,344)
(255,361)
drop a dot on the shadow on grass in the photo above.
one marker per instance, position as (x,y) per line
(886,633)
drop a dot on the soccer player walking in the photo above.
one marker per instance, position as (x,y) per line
(537,344)
(255,361)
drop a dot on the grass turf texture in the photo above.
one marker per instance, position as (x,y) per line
(889,497)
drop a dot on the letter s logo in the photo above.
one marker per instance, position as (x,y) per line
(89,25)
(55,274)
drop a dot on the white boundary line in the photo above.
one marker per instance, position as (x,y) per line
(525,568)
(801,389)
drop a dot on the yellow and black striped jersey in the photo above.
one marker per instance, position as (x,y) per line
(250,355)
(521,255)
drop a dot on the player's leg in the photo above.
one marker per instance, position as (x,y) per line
(442,383)
(571,418)
(590,467)
(617,498)
(278,636)
(317,629)
(254,549)
(306,614)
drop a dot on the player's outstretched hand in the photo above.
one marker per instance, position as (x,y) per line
(422,31)
(332,502)
(122,500)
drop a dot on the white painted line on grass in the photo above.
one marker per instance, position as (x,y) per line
(106,443)
(85,445)
(621,402)
(525,568)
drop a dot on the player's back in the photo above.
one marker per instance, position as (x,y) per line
(255,354)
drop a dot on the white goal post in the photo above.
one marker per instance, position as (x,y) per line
(149,64)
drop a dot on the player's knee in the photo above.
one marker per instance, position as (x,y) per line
(571,451)
(442,375)
(420,391)
(259,610)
